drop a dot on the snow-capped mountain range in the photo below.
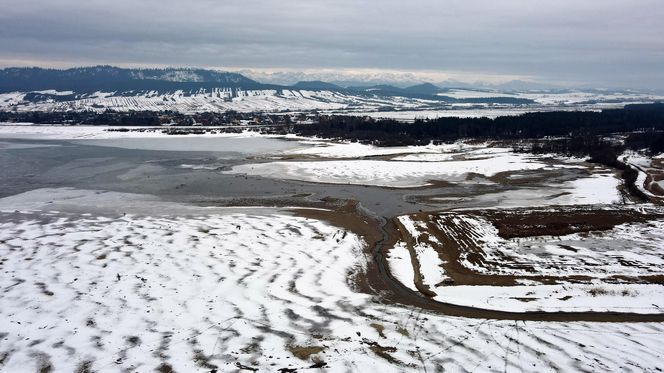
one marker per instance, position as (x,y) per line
(101,88)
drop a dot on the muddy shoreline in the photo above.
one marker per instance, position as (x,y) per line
(380,234)
(365,210)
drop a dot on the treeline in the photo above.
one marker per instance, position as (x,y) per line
(600,136)
(141,118)
(601,150)
(108,118)
(577,129)
(528,126)
(651,140)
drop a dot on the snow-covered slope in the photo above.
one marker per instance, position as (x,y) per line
(292,100)
(185,90)
(231,290)
(218,99)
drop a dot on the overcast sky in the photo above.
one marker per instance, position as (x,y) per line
(602,43)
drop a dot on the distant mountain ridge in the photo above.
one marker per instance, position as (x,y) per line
(424,89)
(191,90)
(81,82)
(317,85)
(113,79)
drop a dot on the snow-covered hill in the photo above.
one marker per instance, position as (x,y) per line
(287,100)
(104,88)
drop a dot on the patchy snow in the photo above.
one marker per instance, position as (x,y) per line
(601,188)
(425,153)
(632,298)
(218,99)
(113,290)
(430,264)
(427,157)
(629,250)
(55,93)
(207,166)
(286,100)
(467,151)
(586,97)
(247,142)
(229,289)
(594,253)
(62,132)
(401,267)
(636,159)
(473,93)
(646,168)
(455,151)
(555,98)
(357,150)
(599,254)
(458,111)
(390,173)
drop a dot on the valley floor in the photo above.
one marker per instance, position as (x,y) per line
(127,252)
(251,289)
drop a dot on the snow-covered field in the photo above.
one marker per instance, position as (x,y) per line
(430,264)
(558,97)
(422,166)
(597,253)
(386,173)
(632,298)
(323,149)
(403,108)
(62,132)
(608,259)
(600,187)
(216,100)
(107,281)
(246,142)
(237,289)
(453,110)
(650,179)
(459,163)
(430,153)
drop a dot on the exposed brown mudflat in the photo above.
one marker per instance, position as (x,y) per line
(377,280)
(458,242)
(304,352)
(537,222)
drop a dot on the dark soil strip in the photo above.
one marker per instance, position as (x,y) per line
(381,234)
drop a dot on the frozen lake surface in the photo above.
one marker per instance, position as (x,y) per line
(146,251)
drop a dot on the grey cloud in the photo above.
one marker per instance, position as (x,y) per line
(592,42)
